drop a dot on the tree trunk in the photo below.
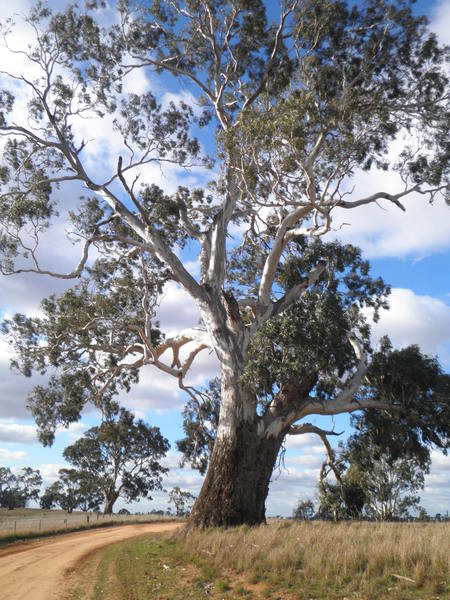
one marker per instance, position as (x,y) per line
(237,483)
(109,503)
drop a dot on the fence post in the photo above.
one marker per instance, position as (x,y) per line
(39,524)
(15,527)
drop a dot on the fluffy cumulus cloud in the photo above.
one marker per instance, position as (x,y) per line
(416,319)
(440,20)
(49,472)
(435,496)
(12,455)
(17,433)
(383,230)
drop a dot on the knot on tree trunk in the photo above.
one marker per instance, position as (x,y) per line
(232,309)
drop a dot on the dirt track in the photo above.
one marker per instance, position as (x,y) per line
(37,570)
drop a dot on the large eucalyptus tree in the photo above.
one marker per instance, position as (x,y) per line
(296,102)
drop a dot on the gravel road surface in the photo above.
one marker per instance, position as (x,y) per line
(38,570)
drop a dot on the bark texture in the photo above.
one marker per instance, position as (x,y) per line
(237,482)
(109,503)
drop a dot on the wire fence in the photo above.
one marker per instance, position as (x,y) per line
(45,524)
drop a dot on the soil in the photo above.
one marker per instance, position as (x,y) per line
(40,570)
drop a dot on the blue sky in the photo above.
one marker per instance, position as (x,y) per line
(411,252)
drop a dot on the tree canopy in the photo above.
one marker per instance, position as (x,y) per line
(182,500)
(18,489)
(120,458)
(297,106)
(73,489)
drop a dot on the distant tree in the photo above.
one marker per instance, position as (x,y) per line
(123,511)
(17,490)
(331,504)
(121,457)
(182,500)
(423,515)
(343,500)
(382,466)
(49,498)
(73,489)
(304,510)
(390,486)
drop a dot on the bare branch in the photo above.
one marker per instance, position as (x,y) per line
(310,428)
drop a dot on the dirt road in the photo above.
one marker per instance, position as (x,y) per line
(37,570)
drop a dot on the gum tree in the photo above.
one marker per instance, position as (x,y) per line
(296,104)
(73,489)
(18,489)
(121,458)
(382,465)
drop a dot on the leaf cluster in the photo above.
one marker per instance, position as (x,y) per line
(121,456)
(18,489)
(73,489)
(81,339)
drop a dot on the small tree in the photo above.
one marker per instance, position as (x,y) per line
(73,489)
(182,500)
(17,490)
(49,498)
(121,457)
(390,486)
(305,510)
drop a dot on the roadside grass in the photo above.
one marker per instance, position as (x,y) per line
(7,539)
(284,560)
(33,513)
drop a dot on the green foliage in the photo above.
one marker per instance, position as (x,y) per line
(84,334)
(17,490)
(121,457)
(73,489)
(309,341)
(296,108)
(417,387)
(304,511)
(182,500)
(383,464)
(200,421)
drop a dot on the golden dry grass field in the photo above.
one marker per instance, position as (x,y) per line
(282,560)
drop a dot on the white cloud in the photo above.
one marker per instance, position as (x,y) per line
(435,496)
(415,319)
(440,20)
(12,454)
(309,460)
(14,388)
(159,391)
(307,439)
(49,472)
(17,433)
(74,430)
(383,230)
(137,82)
(177,310)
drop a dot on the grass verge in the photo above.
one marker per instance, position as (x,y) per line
(286,560)
(8,539)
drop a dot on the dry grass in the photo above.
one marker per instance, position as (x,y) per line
(283,560)
(33,513)
(344,558)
